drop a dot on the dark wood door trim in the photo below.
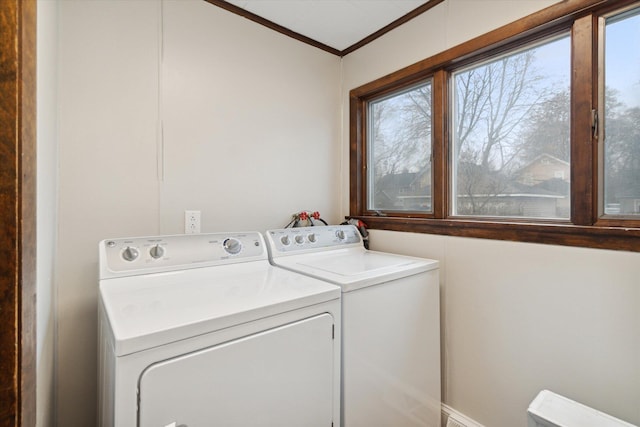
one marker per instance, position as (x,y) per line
(17,213)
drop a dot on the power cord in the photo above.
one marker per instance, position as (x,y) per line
(305,218)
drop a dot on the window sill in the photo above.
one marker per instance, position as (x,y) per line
(600,237)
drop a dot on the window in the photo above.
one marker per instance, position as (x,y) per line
(529,133)
(399,148)
(622,113)
(510,121)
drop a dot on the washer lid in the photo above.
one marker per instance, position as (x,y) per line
(151,310)
(355,268)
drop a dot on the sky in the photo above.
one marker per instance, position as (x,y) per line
(622,58)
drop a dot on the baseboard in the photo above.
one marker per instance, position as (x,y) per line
(453,418)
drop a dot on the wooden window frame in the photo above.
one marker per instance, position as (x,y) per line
(587,227)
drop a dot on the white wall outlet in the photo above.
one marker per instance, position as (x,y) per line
(191,222)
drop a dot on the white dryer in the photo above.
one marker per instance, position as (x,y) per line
(390,323)
(200,330)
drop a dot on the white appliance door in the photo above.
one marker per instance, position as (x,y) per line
(391,354)
(279,377)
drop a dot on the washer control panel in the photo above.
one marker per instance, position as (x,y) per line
(139,255)
(300,239)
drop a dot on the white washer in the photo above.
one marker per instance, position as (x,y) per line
(390,323)
(200,330)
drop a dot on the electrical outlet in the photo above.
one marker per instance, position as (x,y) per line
(191,222)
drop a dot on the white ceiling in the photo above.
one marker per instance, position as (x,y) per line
(335,23)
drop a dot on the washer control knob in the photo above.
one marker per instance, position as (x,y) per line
(340,234)
(156,252)
(299,239)
(232,246)
(285,240)
(312,238)
(130,253)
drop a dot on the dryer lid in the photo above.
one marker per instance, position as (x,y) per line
(151,310)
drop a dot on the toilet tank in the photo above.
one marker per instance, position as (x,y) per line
(552,410)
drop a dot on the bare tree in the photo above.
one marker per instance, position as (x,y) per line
(401,131)
(401,145)
(493,103)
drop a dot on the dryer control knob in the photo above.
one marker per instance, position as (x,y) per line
(156,252)
(285,240)
(312,238)
(340,234)
(232,246)
(130,253)
(299,239)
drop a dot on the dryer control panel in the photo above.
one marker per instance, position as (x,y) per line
(145,255)
(305,239)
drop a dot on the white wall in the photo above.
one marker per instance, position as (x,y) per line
(108,187)
(180,105)
(174,105)
(516,317)
(251,122)
(47,146)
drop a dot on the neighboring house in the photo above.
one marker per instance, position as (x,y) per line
(550,174)
(629,200)
(545,200)
(404,191)
(543,168)
(539,189)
